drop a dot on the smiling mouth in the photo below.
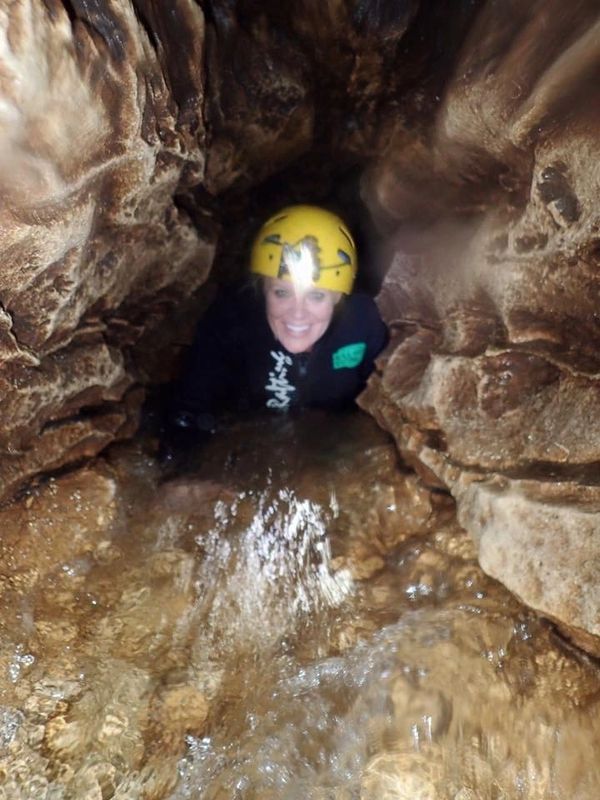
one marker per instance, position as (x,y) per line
(297,329)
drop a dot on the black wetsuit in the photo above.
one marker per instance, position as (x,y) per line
(236,363)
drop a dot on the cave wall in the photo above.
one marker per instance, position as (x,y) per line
(133,132)
(127,131)
(99,127)
(492,388)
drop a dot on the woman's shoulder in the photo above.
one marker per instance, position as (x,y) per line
(362,322)
(361,309)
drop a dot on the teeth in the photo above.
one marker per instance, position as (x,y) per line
(297,328)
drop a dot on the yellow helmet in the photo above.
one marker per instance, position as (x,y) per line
(308,245)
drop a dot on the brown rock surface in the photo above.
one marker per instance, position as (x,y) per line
(490,385)
(120,123)
(544,536)
(130,130)
(100,127)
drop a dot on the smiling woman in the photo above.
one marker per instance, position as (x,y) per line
(298,316)
(300,338)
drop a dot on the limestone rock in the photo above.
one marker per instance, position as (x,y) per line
(176,711)
(546,537)
(285,77)
(84,503)
(130,130)
(100,126)
(490,384)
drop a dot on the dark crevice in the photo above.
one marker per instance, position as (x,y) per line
(145,23)
(83,414)
(68,7)
(105,24)
(583,475)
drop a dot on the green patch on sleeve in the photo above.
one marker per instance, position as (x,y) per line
(349,356)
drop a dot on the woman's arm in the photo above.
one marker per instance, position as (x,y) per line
(207,384)
(377,337)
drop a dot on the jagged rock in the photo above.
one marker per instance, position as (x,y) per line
(130,130)
(100,126)
(490,385)
(544,535)
(285,77)
(69,441)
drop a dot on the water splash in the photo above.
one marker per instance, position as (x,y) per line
(11,720)
(226,649)
(256,585)
(318,725)
(391,718)
(20,661)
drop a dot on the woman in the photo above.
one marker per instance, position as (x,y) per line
(297,337)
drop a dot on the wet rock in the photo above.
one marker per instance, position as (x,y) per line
(555,191)
(505,412)
(493,368)
(285,78)
(254,72)
(34,542)
(88,622)
(175,712)
(168,653)
(55,390)
(92,236)
(130,628)
(541,541)
(192,495)
(376,517)
(116,730)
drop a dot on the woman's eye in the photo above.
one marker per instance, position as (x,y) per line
(317,296)
(281,293)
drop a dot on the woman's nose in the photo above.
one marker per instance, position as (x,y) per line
(298,307)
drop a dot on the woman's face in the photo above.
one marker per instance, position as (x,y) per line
(298,316)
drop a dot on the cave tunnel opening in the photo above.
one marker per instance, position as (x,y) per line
(345,77)
(301,103)
(461,133)
(400,608)
(455,140)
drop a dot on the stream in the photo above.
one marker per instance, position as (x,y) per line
(319,629)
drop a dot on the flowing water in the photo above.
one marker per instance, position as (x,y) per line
(319,628)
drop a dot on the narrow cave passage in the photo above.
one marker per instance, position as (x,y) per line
(392,603)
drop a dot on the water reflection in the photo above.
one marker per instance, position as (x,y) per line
(319,630)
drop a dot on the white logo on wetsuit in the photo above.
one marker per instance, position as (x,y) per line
(278,381)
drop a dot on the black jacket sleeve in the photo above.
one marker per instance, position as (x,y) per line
(207,381)
(377,336)
(210,376)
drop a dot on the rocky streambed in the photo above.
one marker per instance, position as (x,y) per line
(321,629)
